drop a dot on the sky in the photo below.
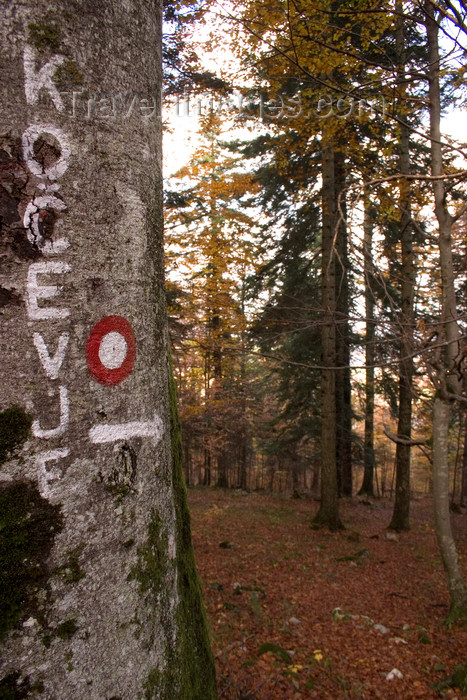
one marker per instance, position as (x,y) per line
(180,139)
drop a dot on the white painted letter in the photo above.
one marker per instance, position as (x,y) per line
(50,364)
(28,140)
(36,291)
(44,476)
(31,224)
(38,432)
(35,80)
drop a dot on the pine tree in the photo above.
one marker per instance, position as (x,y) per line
(211,249)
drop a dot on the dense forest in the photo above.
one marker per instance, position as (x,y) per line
(316,250)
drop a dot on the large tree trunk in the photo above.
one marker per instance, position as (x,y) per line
(401,515)
(99,593)
(449,378)
(328,513)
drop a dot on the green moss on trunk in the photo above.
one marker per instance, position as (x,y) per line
(44,36)
(188,672)
(66,629)
(152,565)
(191,669)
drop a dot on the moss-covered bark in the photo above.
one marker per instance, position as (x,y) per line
(194,668)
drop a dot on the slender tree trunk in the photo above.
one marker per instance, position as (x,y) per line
(98,588)
(207,467)
(315,486)
(463,496)
(455,476)
(295,477)
(223,457)
(368,272)
(343,378)
(243,467)
(207,423)
(378,492)
(401,515)
(454,576)
(272,471)
(244,433)
(449,377)
(243,446)
(188,461)
(328,513)
(222,469)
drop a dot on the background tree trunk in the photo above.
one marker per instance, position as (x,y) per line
(99,582)
(463,496)
(401,515)
(448,370)
(454,577)
(368,273)
(343,385)
(328,513)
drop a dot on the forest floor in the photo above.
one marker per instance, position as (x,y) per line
(296,612)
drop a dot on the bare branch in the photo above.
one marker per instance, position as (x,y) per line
(401,439)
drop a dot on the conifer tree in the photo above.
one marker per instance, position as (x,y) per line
(211,251)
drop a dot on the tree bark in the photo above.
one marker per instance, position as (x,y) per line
(463,496)
(453,571)
(368,273)
(99,592)
(207,467)
(401,514)
(328,513)
(244,434)
(343,376)
(222,468)
(449,378)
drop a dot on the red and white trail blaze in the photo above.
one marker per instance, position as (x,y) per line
(111,347)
